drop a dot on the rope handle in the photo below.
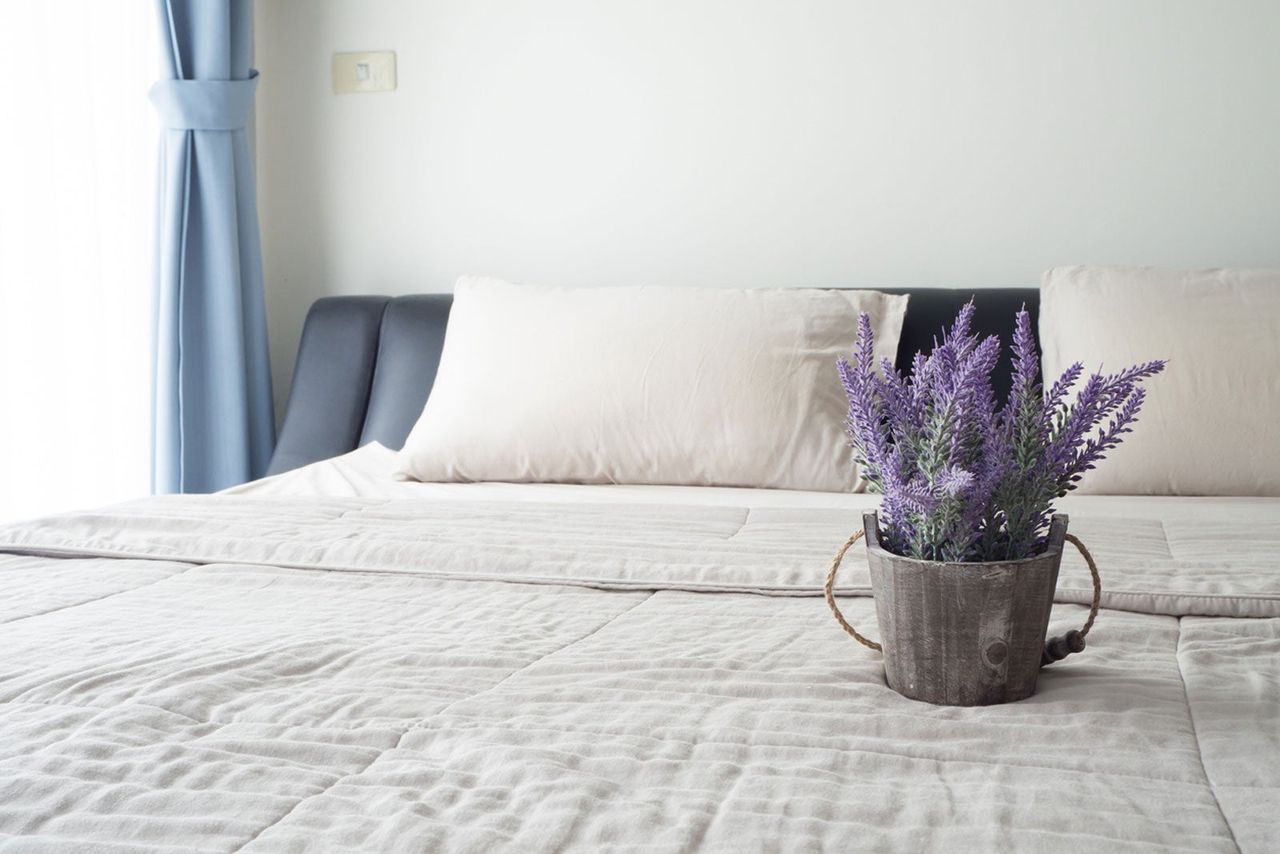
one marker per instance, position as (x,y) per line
(1055,649)
(831,597)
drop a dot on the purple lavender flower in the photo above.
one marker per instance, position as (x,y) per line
(963,479)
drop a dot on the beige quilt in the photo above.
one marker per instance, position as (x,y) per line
(280,674)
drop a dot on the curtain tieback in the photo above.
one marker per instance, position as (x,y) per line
(204,104)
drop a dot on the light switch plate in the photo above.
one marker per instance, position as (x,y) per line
(364,72)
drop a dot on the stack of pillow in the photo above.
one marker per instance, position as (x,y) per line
(705,387)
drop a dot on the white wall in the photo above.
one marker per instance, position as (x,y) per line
(761,142)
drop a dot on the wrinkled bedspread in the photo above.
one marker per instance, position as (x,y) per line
(219,673)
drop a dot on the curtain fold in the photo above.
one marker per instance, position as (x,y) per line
(212,415)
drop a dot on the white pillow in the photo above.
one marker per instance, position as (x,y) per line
(653,385)
(1211,421)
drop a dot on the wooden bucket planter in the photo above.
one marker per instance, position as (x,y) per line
(965,634)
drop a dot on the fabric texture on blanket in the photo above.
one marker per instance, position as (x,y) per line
(1148,566)
(266,674)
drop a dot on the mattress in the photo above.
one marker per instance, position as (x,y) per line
(333,660)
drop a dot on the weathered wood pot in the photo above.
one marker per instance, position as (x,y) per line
(963,634)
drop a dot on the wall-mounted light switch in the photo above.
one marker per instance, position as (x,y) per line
(364,72)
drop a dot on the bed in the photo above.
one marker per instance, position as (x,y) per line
(333,659)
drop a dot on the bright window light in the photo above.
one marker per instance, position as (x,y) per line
(77,168)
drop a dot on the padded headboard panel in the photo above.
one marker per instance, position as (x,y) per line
(366,364)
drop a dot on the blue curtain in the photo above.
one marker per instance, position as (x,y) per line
(213,422)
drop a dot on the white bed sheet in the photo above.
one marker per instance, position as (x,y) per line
(368,472)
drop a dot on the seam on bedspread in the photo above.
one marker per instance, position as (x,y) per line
(1191,716)
(469,723)
(496,685)
(746,517)
(417,724)
(98,710)
(1168,543)
(1064,596)
(868,751)
(188,567)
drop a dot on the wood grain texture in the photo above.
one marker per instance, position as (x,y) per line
(963,634)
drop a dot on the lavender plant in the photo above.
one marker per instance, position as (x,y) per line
(965,479)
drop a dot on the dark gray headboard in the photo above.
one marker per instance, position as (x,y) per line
(366,364)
